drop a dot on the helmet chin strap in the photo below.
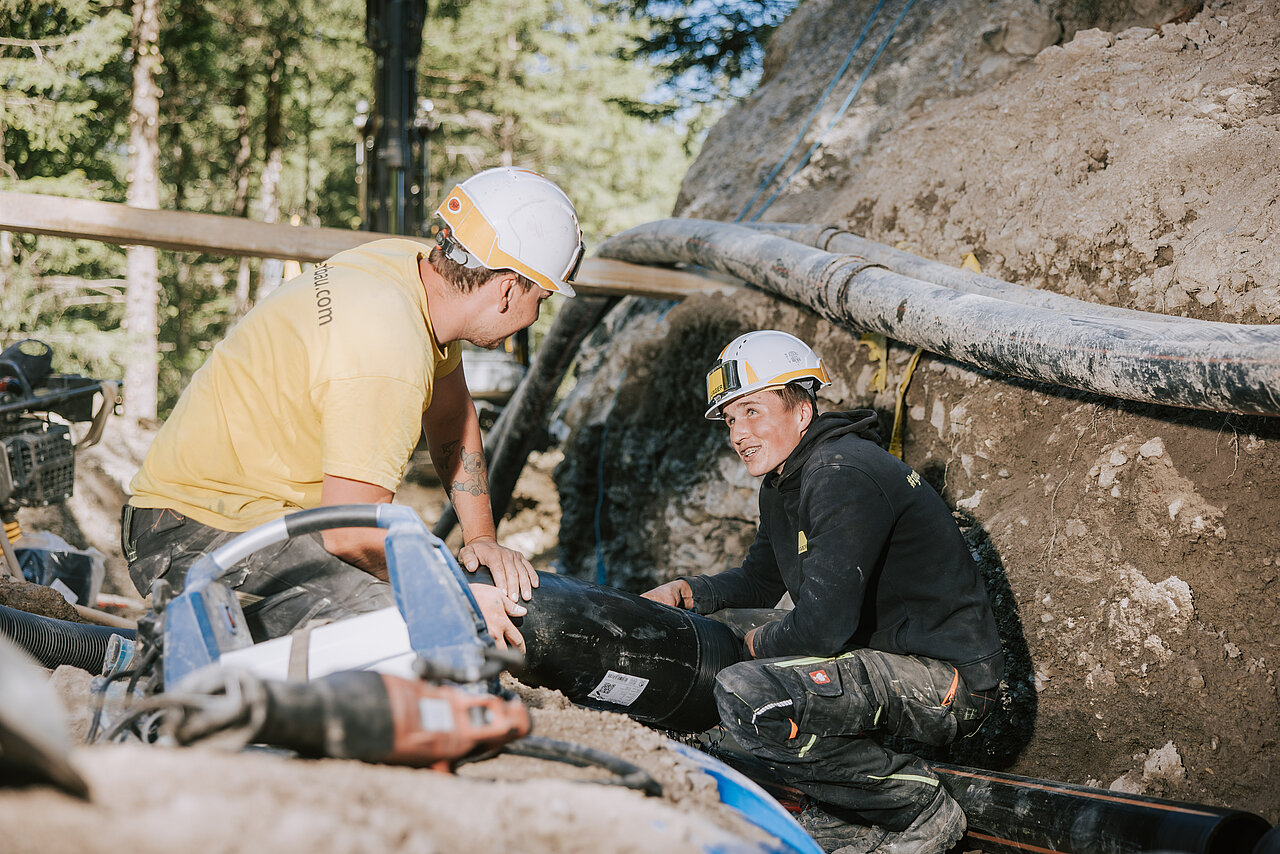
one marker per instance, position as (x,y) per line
(454,251)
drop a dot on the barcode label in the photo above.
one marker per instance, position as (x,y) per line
(619,688)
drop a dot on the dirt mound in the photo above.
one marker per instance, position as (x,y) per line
(1129,548)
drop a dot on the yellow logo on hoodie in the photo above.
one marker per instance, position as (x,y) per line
(803,545)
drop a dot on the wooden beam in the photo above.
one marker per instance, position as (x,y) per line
(177,230)
(606,277)
(183,231)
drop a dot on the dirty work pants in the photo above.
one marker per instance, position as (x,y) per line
(281,587)
(817,723)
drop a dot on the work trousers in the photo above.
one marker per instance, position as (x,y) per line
(819,723)
(281,587)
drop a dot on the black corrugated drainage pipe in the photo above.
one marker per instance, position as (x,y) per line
(53,642)
(1222,367)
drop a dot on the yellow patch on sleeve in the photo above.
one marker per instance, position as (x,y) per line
(913,479)
(803,545)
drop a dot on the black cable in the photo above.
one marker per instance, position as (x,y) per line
(133,674)
(628,775)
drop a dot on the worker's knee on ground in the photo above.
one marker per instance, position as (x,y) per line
(754,706)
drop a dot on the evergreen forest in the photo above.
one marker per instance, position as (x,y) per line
(253,109)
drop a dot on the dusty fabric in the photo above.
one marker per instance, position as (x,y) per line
(868,552)
(281,587)
(819,723)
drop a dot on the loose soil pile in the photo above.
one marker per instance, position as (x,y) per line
(1129,549)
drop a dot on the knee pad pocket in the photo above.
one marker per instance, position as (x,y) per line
(754,704)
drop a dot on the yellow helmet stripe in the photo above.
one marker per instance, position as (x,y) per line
(783,379)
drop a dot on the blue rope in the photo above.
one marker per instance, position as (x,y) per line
(875,13)
(601,574)
(839,113)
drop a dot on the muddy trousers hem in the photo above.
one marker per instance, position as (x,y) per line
(819,722)
(281,587)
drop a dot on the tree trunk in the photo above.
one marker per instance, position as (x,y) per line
(142,293)
(272,268)
(240,204)
(6,258)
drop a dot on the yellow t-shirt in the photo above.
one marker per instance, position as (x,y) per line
(330,374)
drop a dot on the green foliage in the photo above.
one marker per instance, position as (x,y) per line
(549,91)
(706,48)
(539,83)
(64,79)
(60,64)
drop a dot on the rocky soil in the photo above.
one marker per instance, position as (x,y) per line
(1126,155)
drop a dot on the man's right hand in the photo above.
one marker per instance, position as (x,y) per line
(498,608)
(677,593)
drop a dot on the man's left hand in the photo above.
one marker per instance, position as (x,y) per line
(512,572)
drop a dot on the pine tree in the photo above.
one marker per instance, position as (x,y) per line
(61,123)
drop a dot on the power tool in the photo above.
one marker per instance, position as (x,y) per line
(441,702)
(356,714)
(438,620)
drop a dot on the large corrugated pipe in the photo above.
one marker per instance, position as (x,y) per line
(53,642)
(1222,367)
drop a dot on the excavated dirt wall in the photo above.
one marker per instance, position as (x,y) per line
(1125,156)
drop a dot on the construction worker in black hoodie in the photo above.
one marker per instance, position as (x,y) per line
(892,633)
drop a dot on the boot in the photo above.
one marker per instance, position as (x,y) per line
(934,831)
(835,834)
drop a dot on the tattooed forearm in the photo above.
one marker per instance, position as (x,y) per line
(475,481)
(447,452)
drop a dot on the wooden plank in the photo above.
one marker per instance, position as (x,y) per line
(182,231)
(177,230)
(606,277)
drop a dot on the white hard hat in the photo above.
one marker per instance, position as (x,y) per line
(758,361)
(508,218)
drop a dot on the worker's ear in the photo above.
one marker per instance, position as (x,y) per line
(806,414)
(507,284)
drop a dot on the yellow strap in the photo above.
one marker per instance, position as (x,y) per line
(895,443)
(879,347)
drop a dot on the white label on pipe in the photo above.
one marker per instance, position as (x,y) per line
(619,688)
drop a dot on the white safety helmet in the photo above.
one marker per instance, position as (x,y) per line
(508,218)
(761,360)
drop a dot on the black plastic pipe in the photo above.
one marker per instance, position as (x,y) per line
(1221,367)
(54,642)
(577,633)
(615,651)
(1014,814)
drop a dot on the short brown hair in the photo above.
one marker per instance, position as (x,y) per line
(467,279)
(794,394)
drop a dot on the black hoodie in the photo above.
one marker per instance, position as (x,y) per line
(870,554)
